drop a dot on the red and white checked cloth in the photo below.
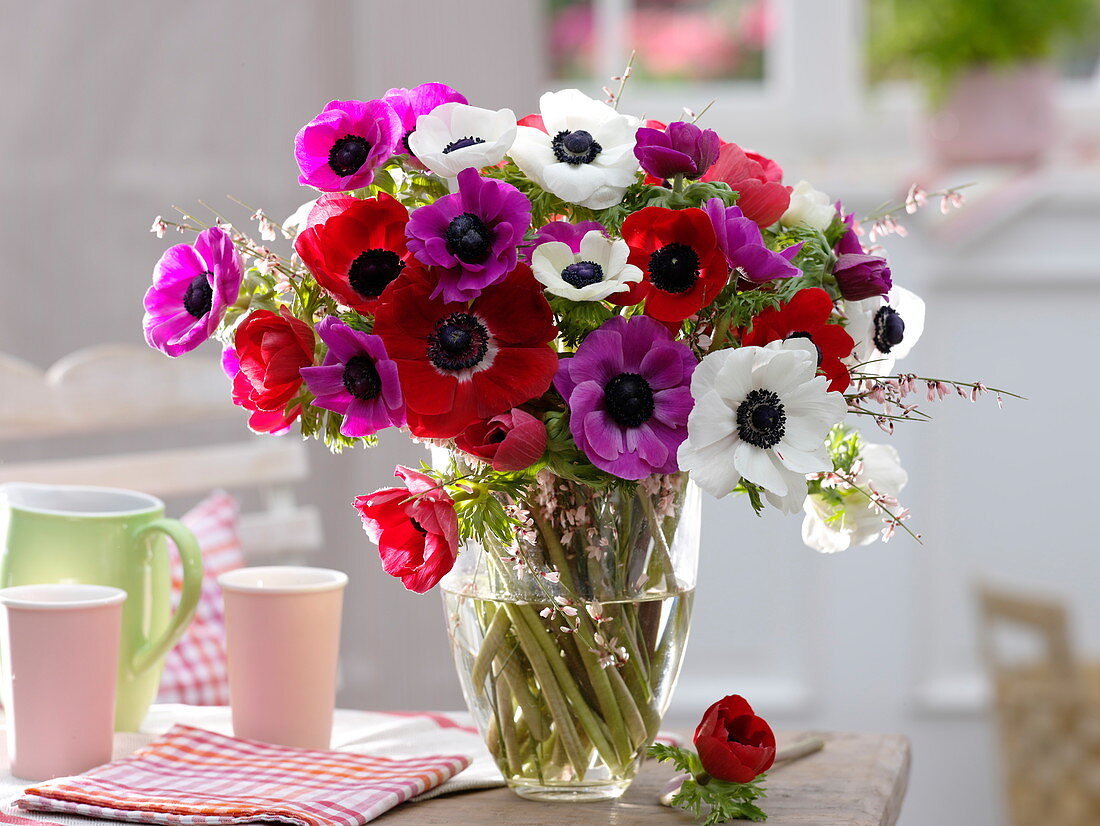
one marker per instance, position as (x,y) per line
(195,670)
(191,775)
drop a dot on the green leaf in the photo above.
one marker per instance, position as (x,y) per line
(709,800)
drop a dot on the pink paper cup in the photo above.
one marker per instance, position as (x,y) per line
(283,640)
(58,674)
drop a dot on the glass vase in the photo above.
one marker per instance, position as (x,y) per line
(568,639)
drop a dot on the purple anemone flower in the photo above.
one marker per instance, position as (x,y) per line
(857,274)
(563,231)
(470,236)
(339,149)
(740,240)
(192,286)
(357,379)
(409,104)
(681,149)
(628,389)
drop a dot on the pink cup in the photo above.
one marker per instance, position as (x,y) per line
(283,641)
(59,653)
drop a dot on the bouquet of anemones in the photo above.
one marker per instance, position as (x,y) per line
(588,311)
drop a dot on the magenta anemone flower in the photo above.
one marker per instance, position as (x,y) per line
(339,149)
(471,236)
(681,149)
(858,275)
(563,231)
(628,389)
(192,286)
(740,240)
(357,379)
(409,104)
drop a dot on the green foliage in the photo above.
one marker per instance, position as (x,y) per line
(755,494)
(816,258)
(693,195)
(481,497)
(942,39)
(709,800)
(576,319)
(844,445)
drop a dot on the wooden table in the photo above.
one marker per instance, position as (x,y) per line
(856,780)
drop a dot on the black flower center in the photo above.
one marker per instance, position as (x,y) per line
(419,528)
(805,335)
(674,268)
(629,399)
(361,378)
(582,274)
(462,143)
(889,329)
(348,154)
(373,270)
(575,148)
(761,420)
(199,296)
(458,342)
(468,239)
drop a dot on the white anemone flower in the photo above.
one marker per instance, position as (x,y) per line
(295,223)
(454,136)
(586,154)
(830,528)
(761,414)
(598,270)
(809,208)
(884,330)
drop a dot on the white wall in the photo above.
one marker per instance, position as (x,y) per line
(112,111)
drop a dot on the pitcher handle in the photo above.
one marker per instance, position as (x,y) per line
(191,558)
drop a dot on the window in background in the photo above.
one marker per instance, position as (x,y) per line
(674,41)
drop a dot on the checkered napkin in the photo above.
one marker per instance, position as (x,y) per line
(193,776)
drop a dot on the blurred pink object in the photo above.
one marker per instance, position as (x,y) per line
(283,641)
(996,115)
(59,647)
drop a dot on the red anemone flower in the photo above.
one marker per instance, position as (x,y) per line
(678,253)
(807,316)
(756,179)
(357,252)
(462,363)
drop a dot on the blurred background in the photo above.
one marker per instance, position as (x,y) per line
(114,111)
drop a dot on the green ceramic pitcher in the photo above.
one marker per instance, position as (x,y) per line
(106,536)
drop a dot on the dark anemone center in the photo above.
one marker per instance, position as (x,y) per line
(674,268)
(889,329)
(462,143)
(373,270)
(458,342)
(575,148)
(361,378)
(761,420)
(468,239)
(199,296)
(810,338)
(629,399)
(582,274)
(419,528)
(348,154)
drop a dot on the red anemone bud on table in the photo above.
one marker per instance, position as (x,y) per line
(733,743)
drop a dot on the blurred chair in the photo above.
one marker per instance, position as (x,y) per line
(123,389)
(1047,707)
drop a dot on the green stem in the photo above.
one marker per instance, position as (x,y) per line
(489,650)
(538,636)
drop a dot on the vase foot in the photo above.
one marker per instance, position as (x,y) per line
(569,792)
